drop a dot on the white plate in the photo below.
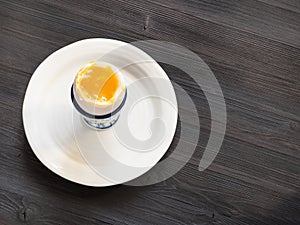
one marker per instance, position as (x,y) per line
(65,145)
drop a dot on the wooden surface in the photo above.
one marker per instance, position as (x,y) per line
(253,48)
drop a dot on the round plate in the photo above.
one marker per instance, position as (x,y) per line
(64,144)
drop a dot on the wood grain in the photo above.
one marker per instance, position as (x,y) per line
(253,48)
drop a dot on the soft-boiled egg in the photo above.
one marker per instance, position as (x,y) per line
(99,83)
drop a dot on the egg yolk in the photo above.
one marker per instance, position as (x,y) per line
(97,83)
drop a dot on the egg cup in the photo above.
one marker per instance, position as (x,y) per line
(100,115)
(94,121)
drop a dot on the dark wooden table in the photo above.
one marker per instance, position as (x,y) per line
(253,48)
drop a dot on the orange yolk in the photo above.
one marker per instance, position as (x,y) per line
(97,83)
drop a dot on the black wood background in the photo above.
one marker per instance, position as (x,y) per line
(253,48)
